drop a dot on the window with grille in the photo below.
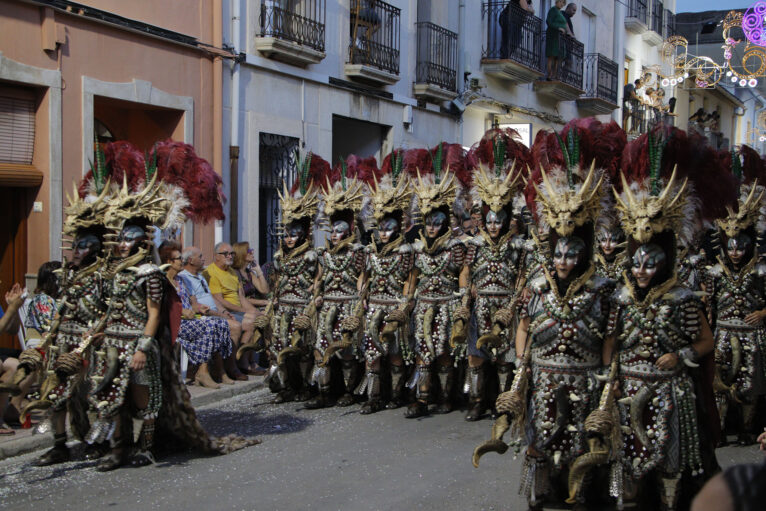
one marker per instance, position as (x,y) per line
(17,130)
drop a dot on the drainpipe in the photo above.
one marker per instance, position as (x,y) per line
(460,55)
(618,45)
(236,38)
(218,100)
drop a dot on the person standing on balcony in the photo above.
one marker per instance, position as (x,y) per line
(511,22)
(555,51)
(569,13)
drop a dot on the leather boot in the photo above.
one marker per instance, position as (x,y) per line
(59,453)
(476,393)
(115,458)
(669,492)
(320,376)
(144,456)
(304,394)
(286,394)
(372,385)
(446,375)
(397,387)
(422,383)
(349,378)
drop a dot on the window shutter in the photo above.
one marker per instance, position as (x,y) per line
(17,130)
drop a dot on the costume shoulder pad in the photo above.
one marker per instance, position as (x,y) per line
(455,242)
(405,248)
(539,285)
(622,295)
(760,269)
(601,284)
(147,269)
(715,271)
(680,294)
(311,255)
(417,245)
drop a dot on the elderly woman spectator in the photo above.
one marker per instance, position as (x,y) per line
(201,337)
(250,275)
(555,51)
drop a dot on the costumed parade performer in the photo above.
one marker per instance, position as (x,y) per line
(657,331)
(340,284)
(495,258)
(295,265)
(389,263)
(737,289)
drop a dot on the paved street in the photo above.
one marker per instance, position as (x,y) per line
(333,459)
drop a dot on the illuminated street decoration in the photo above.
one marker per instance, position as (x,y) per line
(752,24)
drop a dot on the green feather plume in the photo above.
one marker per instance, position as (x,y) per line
(437,158)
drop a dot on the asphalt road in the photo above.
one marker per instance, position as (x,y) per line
(331,459)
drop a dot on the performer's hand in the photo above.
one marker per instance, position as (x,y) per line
(14,296)
(754,318)
(318,301)
(667,361)
(138,361)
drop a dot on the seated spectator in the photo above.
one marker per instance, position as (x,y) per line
(251,277)
(41,308)
(202,337)
(202,302)
(230,296)
(9,409)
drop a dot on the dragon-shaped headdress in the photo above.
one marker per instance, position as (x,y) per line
(391,194)
(437,190)
(301,202)
(748,168)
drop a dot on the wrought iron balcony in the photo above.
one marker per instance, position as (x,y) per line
(639,117)
(436,68)
(373,52)
(566,85)
(292,31)
(601,82)
(669,26)
(636,18)
(653,36)
(513,47)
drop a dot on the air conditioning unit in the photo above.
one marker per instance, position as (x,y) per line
(476,84)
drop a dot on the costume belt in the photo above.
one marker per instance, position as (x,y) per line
(385,301)
(498,294)
(654,375)
(565,367)
(294,301)
(735,324)
(340,298)
(440,299)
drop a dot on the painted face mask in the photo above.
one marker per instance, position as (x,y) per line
(340,231)
(388,229)
(434,223)
(294,234)
(648,261)
(567,255)
(494,222)
(608,241)
(129,240)
(85,249)
(737,247)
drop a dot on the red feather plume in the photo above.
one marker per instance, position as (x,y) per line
(122,158)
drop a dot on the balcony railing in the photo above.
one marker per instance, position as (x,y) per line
(301,22)
(571,64)
(637,9)
(600,78)
(437,56)
(670,24)
(657,12)
(639,118)
(513,34)
(374,35)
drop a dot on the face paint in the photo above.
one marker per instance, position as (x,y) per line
(567,255)
(85,249)
(738,247)
(129,239)
(340,231)
(494,222)
(388,229)
(648,261)
(608,240)
(434,223)
(294,235)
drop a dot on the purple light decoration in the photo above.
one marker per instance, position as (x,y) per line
(752,23)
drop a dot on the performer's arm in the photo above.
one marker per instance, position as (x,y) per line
(607,349)
(150,330)
(522,332)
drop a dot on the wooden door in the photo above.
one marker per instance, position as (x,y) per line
(13,247)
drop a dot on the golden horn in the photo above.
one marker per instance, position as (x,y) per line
(666,191)
(588,177)
(628,192)
(546,182)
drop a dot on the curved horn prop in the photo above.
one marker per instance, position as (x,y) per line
(495,443)
(112,368)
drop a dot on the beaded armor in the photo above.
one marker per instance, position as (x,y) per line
(566,337)
(389,270)
(691,270)
(295,277)
(341,268)
(610,269)
(126,319)
(657,410)
(739,348)
(437,297)
(84,305)
(494,272)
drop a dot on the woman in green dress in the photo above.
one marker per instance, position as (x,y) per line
(554,50)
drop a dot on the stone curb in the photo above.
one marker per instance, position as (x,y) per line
(32,443)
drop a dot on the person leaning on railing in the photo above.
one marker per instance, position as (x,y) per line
(555,51)
(511,22)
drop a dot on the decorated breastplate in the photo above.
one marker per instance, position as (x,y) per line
(568,333)
(340,273)
(609,269)
(296,276)
(388,274)
(665,325)
(737,294)
(84,296)
(127,300)
(439,273)
(494,268)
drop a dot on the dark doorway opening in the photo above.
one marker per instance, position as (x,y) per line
(362,138)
